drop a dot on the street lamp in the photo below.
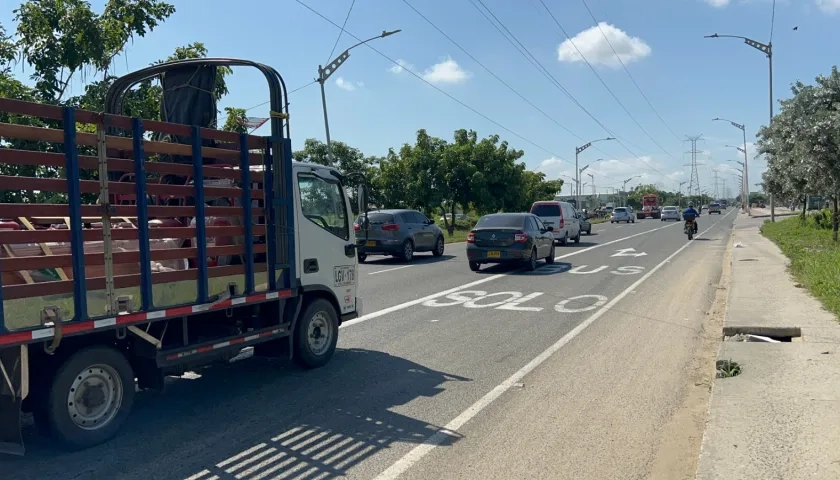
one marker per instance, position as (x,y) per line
(743,129)
(324,74)
(679,194)
(743,190)
(766,49)
(579,171)
(624,188)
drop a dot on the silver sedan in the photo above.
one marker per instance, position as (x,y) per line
(670,213)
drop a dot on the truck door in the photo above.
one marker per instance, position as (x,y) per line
(325,239)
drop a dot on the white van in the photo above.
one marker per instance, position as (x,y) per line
(560,215)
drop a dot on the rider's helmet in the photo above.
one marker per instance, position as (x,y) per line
(690,205)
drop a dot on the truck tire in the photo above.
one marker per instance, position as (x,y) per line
(88,398)
(316,334)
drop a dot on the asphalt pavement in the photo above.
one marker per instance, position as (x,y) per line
(575,370)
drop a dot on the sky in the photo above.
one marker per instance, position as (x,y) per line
(641,72)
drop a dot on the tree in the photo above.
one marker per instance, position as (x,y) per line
(803,143)
(236,120)
(350,162)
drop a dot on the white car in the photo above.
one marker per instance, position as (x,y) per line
(670,213)
(622,214)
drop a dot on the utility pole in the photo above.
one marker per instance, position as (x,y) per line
(716,193)
(694,179)
(679,194)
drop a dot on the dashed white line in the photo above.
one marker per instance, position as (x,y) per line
(420,451)
(390,269)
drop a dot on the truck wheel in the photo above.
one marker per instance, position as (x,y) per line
(89,398)
(316,334)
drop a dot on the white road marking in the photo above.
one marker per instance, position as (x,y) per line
(420,451)
(402,306)
(389,269)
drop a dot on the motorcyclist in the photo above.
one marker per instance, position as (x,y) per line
(694,213)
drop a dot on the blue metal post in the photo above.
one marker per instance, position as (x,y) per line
(74,200)
(200,220)
(290,213)
(147,296)
(270,217)
(247,217)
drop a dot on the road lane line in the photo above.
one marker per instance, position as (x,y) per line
(389,269)
(448,431)
(396,308)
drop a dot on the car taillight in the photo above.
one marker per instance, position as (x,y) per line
(523,237)
(471,237)
(390,227)
(356,227)
(562,223)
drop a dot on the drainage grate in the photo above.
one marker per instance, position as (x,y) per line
(762,334)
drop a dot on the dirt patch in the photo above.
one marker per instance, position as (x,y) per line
(679,450)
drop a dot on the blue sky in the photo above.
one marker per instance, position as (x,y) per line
(688,79)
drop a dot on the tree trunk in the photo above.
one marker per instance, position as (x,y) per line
(451,227)
(835,221)
(804,208)
(446,223)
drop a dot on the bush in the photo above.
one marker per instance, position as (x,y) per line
(820,219)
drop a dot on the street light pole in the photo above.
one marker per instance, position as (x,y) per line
(578,150)
(766,49)
(679,194)
(743,129)
(325,73)
(624,188)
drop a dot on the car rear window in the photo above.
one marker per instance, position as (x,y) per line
(669,209)
(715,205)
(376,218)
(501,221)
(620,209)
(546,209)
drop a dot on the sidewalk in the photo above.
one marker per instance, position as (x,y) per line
(756,212)
(780,418)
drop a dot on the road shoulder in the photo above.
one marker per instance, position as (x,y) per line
(779,418)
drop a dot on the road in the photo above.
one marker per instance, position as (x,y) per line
(576,370)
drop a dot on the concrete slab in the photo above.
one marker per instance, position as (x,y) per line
(780,418)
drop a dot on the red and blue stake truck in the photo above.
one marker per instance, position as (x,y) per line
(650,208)
(113,285)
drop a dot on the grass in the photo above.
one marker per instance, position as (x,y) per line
(595,221)
(457,236)
(814,257)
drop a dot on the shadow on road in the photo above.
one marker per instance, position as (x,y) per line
(419,259)
(256,419)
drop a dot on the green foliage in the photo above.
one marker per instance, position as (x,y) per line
(802,144)
(236,120)
(814,258)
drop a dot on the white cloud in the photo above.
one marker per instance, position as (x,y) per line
(401,66)
(612,173)
(349,86)
(719,3)
(828,6)
(597,50)
(447,71)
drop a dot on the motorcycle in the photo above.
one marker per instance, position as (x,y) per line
(689,227)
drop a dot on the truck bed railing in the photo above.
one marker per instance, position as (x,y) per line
(119,243)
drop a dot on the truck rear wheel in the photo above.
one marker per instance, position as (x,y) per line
(316,334)
(88,399)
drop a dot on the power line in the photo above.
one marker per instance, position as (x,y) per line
(419,77)
(489,71)
(618,57)
(313,82)
(536,63)
(602,80)
(347,17)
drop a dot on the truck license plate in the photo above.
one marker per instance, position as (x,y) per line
(344,276)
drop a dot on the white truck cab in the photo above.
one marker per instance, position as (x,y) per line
(324,239)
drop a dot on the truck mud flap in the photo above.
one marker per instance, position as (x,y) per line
(14,386)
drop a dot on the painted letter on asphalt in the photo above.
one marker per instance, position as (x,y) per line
(515,304)
(599,301)
(628,270)
(579,269)
(456,297)
(511,297)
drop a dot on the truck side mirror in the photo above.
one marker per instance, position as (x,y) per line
(360,199)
